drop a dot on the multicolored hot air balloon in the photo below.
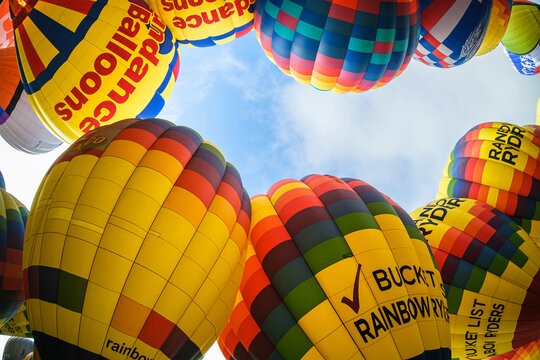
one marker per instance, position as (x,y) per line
(89,63)
(523,33)
(343,46)
(528,352)
(335,270)
(18,325)
(13,216)
(491,271)
(498,22)
(19,124)
(205,23)
(528,64)
(452,31)
(135,245)
(17,348)
(498,164)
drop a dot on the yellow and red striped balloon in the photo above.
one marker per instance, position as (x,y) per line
(334,271)
(530,351)
(498,164)
(498,22)
(491,271)
(135,245)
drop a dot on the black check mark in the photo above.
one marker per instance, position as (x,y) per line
(355,303)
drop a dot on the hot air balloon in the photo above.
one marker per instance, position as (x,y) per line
(530,351)
(13,216)
(205,23)
(498,164)
(343,46)
(17,348)
(498,22)
(89,63)
(135,245)
(490,269)
(523,33)
(19,125)
(528,64)
(18,325)
(335,270)
(452,31)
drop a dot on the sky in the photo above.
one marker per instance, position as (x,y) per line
(397,138)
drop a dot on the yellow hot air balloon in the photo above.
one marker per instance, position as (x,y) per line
(88,63)
(498,164)
(202,23)
(18,325)
(135,245)
(491,271)
(336,271)
(523,33)
(498,22)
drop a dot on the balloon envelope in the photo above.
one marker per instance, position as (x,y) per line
(523,33)
(336,271)
(13,217)
(19,125)
(498,22)
(528,64)
(89,63)
(205,23)
(498,164)
(18,325)
(490,268)
(530,351)
(135,245)
(452,31)
(343,46)
(17,348)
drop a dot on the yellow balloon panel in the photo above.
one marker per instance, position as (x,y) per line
(490,269)
(205,22)
(113,265)
(87,63)
(498,21)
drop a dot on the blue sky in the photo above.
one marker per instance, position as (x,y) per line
(397,138)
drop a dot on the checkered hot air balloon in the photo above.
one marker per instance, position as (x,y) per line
(335,270)
(13,216)
(452,31)
(135,245)
(88,63)
(343,46)
(498,164)
(490,269)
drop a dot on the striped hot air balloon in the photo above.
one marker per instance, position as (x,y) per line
(335,270)
(88,63)
(498,164)
(135,245)
(19,125)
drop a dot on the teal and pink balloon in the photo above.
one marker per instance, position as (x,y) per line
(343,46)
